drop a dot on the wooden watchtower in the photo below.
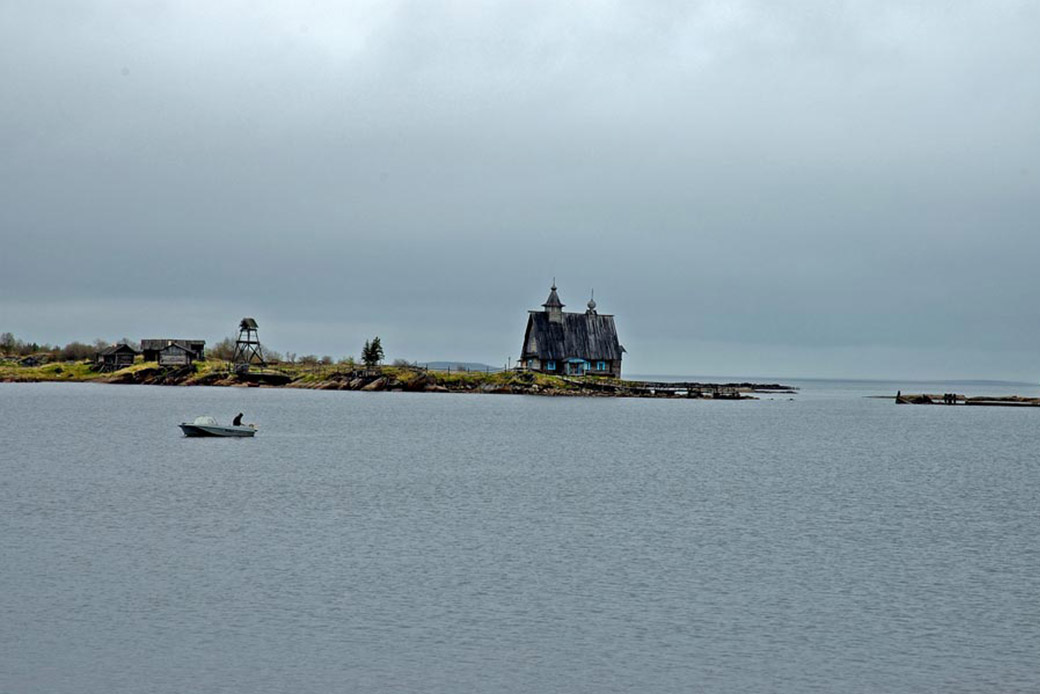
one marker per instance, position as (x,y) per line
(247,348)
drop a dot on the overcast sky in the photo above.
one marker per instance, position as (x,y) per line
(753,187)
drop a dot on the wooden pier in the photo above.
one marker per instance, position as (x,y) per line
(657,389)
(954,399)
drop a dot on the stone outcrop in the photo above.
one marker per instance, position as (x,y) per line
(378,384)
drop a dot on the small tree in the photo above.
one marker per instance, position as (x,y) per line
(8,343)
(223,350)
(372,353)
(377,349)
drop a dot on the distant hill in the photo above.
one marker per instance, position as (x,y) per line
(453,365)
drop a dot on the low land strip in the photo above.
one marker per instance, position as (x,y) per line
(957,399)
(383,378)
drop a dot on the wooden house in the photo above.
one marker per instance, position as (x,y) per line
(175,354)
(115,357)
(571,344)
(151,348)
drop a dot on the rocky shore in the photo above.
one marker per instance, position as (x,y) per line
(957,399)
(392,379)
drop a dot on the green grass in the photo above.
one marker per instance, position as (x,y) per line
(73,371)
(302,374)
(67,371)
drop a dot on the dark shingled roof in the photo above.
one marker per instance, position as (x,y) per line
(162,343)
(177,345)
(121,347)
(583,335)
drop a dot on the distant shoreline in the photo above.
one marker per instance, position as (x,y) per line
(387,379)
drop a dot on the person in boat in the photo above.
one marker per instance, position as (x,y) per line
(238,420)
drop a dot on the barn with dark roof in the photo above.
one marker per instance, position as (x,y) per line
(115,357)
(153,347)
(571,344)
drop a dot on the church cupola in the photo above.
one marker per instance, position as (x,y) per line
(553,306)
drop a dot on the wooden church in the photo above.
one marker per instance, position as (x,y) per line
(571,344)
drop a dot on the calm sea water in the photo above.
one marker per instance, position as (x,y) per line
(466,543)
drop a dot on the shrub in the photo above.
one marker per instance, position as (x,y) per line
(75,351)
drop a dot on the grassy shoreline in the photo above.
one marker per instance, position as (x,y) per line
(319,377)
(344,377)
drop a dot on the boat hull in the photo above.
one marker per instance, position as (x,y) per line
(198,430)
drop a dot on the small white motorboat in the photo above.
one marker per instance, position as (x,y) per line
(207,426)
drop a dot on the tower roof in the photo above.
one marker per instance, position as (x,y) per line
(554,299)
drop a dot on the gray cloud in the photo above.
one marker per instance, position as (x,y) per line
(810,188)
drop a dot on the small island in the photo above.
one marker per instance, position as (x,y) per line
(397,378)
(563,354)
